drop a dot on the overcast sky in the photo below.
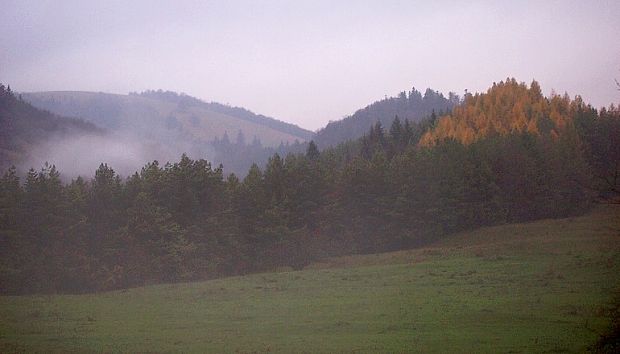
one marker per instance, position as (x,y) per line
(308,62)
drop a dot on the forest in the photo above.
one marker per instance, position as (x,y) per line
(507,155)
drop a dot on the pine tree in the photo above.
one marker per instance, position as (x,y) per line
(312,153)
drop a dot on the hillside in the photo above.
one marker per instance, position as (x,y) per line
(166,115)
(237,112)
(25,127)
(509,109)
(163,125)
(186,220)
(411,106)
(533,287)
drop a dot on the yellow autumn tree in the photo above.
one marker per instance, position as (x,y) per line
(507,107)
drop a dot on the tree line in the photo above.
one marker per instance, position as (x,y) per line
(388,190)
(238,155)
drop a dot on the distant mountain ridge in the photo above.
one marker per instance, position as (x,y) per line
(167,115)
(165,124)
(162,125)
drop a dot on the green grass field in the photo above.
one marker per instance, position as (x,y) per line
(535,287)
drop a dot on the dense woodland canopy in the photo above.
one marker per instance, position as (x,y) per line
(508,155)
(507,107)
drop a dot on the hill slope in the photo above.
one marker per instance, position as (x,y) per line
(166,115)
(25,127)
(533,287)
(158,125)
(412,106)
(237,112)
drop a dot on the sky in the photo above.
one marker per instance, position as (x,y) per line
(309,62)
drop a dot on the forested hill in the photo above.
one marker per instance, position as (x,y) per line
(24,127)
(385,191)
(167,115)
(411,106)
(507,107)
(162,125)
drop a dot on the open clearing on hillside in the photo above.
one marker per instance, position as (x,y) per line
(514,288)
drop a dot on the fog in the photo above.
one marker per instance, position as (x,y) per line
(81,155)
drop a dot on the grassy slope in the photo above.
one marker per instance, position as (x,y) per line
(513,288)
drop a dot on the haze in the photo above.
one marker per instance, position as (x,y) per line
(313,61)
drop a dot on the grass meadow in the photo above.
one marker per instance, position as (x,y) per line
(534,287)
